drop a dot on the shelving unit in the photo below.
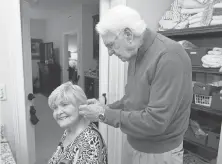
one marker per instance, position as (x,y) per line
(209,36)
(206,109)
(193,31)
(206,70)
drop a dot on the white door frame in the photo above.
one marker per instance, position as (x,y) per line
(22,127)
(64,58)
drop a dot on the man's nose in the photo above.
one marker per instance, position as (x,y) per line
(111,52)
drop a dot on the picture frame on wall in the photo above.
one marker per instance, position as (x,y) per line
(35,48)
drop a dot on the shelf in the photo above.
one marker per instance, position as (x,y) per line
(196,155)
(206,109)
(192,31)
(206,70)
(199,145)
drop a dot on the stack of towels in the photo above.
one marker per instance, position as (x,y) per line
(217,14)
(213,59)
(186,13)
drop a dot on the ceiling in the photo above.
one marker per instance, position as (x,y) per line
(55,4)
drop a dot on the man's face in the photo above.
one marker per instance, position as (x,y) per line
(119,45)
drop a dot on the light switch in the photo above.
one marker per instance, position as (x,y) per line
(2,92)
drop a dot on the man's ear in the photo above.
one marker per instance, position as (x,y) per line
(128,34)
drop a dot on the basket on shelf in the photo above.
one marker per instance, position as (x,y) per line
(203,94)
(203,100)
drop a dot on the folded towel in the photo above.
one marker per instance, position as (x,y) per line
(200,14)
(218,5)
(167,24)
(198,24)
(182,25)
(214,61)
(215,52)
(217,49)
(203,1)
(191,4)
(216,22)
(218,17)
(191,11)
(195,20)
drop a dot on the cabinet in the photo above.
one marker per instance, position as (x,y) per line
(209,118)
(91,87)
(49,75)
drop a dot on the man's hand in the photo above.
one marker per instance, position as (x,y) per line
(95,101)
(92,101)
(91,112)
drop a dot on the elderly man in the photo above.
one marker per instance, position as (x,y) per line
(155,110)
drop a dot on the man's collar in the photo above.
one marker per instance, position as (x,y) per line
(148,39)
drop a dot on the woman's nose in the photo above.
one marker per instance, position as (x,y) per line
(58,111)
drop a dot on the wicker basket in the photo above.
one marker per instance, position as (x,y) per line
(203,100)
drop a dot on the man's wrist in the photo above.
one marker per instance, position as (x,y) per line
(102,116)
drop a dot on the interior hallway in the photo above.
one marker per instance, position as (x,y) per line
(47,132)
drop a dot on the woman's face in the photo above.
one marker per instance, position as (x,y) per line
(66,115)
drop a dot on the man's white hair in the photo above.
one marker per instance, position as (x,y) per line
(119,18)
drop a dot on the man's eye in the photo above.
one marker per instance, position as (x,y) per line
(64,104)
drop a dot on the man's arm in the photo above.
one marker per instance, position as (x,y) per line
(118,104)
(164,97)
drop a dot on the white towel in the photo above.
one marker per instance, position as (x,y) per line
(218,5)
(182,25)
(203,1)
(214,53)
(198,24)
(191,11)
(218,17)
(195,20)
(217,49)
(213,61)
(216,22)
(191,4)
(167,24)
(200,14)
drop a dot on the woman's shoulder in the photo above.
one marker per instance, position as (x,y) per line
(92,133)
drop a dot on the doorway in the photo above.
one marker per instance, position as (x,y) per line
(54,51)
(70,56)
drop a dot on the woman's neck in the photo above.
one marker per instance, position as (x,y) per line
(77,128)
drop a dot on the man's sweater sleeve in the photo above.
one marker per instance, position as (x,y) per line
(118,104)
(164,98)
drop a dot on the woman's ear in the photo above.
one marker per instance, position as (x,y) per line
(128,34)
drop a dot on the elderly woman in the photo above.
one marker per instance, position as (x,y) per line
(81,141)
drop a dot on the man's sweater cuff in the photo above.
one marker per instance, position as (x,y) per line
(112,117)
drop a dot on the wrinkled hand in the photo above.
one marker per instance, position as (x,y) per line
(92,101)
(95,101)
(91,112)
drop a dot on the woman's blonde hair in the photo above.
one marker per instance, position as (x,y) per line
(67,93)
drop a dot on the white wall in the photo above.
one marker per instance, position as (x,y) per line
(150,10)
(37,31)
(87,36)
(72,43)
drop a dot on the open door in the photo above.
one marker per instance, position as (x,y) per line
(27,66)
(19,74)
(112,81)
